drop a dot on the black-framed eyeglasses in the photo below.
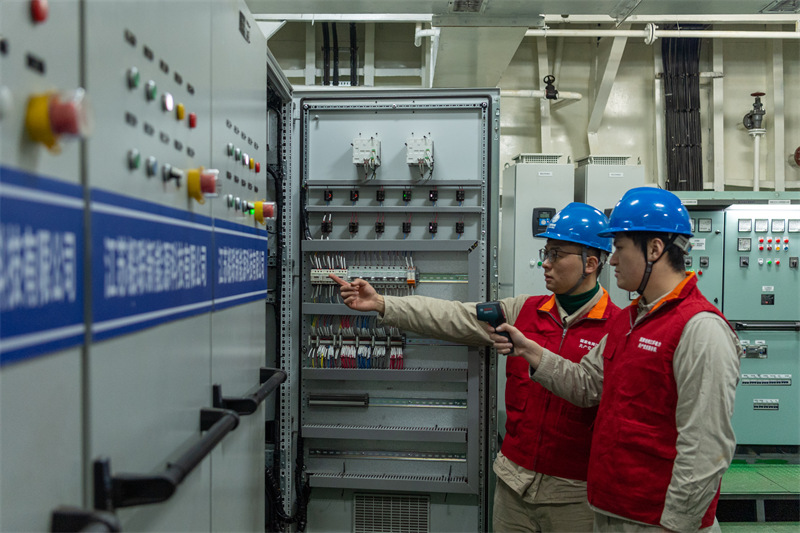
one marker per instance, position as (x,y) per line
(553,254)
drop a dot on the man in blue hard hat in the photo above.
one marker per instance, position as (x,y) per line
(664,378)
(544,457)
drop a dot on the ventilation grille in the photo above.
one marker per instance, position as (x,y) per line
(391,513)
(603,160)
(537,158)
(782,6)
(466,6)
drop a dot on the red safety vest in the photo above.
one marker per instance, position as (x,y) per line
(545,433)
(634,444)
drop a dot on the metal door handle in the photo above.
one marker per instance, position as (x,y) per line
(127,490)
(269,378)
(767,326)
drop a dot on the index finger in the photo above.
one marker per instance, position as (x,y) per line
(338,280)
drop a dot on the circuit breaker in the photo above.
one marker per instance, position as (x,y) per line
(383,411)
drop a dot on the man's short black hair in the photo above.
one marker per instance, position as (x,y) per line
(674,254)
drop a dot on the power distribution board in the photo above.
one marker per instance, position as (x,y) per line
(383,409)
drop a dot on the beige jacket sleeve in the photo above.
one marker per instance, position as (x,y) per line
(444,319)
(578,383)
(706,368)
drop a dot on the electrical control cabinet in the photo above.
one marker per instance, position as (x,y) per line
(533,181)
(137,173)
(761,283)
(239,339)
(767,398)
(387,414)
(601,181)
(706,257)
(148,307)
(752,238)
(761,300)
(41,265)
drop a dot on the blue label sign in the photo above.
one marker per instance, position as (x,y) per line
(150,264)
(41,265)
(240,264)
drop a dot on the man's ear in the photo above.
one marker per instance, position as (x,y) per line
(655,247)
(592,263)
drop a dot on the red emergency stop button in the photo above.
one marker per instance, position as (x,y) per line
(786,241)
(51,115)
(192,120)
(39,11)
(264,211)
(202,183)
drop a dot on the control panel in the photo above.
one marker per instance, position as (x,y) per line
(761,263)
(706,256)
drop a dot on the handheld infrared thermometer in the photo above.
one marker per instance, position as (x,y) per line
(492,312)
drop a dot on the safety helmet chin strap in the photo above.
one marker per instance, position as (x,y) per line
(681,241)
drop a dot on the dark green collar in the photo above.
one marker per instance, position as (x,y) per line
(573,302)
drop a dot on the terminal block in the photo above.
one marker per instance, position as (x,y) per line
(406,227)
(353,227)
(459,228)
(380,195)
(460,195)
(326,226)
(380,227)
(327,195)
(433,195)
(407,195)
(354,195)
(433,227)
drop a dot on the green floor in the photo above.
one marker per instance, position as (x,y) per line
(759,479)
(759,482)
(760,527)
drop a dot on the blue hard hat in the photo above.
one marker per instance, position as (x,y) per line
(581,224)
(649,209)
